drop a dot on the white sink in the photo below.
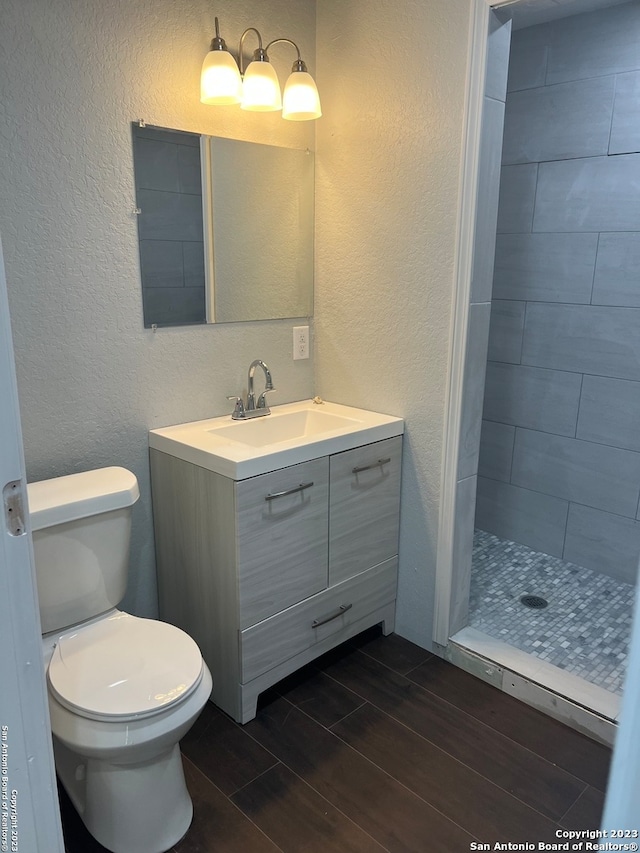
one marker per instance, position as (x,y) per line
(295,432)
(284,426)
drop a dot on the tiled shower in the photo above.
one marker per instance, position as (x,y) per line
(557,508)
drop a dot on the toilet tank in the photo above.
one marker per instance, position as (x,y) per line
(81,528)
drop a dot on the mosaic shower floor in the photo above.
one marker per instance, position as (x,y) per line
(585,628)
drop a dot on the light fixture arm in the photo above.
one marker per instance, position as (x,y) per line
(298,65)
(259,55)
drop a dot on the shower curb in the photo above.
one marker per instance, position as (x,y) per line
(535,683)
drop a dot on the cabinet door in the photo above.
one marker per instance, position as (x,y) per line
(281,538)
(365,506)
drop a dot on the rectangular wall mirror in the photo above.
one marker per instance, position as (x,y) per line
(225,228)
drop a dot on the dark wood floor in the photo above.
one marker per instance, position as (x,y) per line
(381,746)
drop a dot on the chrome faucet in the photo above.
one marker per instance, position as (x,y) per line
(253,409)
(251,401)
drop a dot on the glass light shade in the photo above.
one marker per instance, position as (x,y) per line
(300,101)
(220,81)
(261,88)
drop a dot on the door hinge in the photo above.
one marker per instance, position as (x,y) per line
(14,516)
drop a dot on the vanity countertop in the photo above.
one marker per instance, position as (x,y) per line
(292,433)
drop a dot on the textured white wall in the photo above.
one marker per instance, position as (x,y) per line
(388,160)
(92,381)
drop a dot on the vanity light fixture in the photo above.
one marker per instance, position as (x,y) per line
(257,88)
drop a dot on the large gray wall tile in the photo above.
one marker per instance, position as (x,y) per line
(521,515)
(496,451)
(170,225)
(583,338)
(568,232)
(617,276)
(498,48)
(161,263)
(505,333)
(168,306)
(176,137)
(528,59)
(625,127)
(517,198)
(473,389)
(610,412)
(532,398)
(558,122)
(193,256)
(156,165)
(592,474)
(545,267)
(594,44)
(170,216)
(487,205)
(591,194)
(603,542)
(189,169)
(462,553)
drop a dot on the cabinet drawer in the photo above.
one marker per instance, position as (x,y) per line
(365,506)
(287,634)
(282,522)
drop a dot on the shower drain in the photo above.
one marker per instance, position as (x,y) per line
(536,602)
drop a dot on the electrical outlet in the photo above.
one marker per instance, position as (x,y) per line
(300,342)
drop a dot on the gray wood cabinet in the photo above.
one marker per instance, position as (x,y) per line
(269,572)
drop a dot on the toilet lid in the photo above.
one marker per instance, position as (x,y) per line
(124,666)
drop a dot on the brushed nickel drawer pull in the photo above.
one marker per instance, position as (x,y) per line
(377,464)
(292,491)
(342,609)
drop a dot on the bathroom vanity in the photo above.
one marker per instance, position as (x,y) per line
(277,539)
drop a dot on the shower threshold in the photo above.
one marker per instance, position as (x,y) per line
(566,697)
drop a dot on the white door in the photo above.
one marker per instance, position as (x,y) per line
(29,815)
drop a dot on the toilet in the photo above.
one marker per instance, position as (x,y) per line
(122,689)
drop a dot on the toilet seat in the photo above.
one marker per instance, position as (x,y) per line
(124,668)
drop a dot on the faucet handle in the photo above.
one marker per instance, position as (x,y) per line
(238,409)
(262,404)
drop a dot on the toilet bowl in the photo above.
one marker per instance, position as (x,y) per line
(122,690)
